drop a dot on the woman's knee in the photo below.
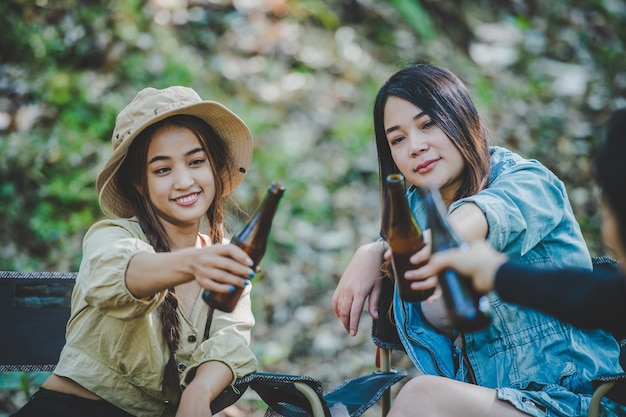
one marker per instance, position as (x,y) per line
(423,389)
(425,383)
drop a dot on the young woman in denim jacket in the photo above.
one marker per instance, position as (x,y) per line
(140,340)
(525,362)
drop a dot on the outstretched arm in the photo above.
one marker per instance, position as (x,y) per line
(587,299)
(214,267)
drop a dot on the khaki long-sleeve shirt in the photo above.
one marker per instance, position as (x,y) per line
(114,345)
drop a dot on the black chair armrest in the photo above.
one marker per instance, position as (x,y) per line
(384,333)
(303,396)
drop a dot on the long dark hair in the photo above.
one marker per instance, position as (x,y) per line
(443,96)
(132,177)
(610,169)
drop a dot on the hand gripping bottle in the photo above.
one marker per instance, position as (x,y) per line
(253,240)
(468,311)
(404,237)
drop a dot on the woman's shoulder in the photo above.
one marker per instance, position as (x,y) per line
(501,156)
(504,159)
(131,227)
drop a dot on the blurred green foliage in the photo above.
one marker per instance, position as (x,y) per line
(299,71)
(302,74)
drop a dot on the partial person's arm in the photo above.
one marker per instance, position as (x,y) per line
(587,299)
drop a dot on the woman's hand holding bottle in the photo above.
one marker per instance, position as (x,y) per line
(421,281)
(222,268)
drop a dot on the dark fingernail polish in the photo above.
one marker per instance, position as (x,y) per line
(232,288)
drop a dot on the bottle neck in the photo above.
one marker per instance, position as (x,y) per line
(442,235)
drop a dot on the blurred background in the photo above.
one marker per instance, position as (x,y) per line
(303,75)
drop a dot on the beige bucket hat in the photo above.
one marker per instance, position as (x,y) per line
(151,105)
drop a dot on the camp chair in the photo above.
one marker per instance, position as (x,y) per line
(35,307)
(611,386)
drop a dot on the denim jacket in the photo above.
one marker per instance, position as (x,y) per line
(539,364)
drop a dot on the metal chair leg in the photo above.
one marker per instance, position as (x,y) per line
(385,366)
(311,396)
(596,398)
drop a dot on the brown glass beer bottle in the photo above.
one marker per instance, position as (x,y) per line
(253,240)
(404,237)
(468,311)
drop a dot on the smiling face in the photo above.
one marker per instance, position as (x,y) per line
(180,180)
(421,150)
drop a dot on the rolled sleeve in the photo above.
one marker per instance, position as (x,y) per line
(525,194)
(108,248)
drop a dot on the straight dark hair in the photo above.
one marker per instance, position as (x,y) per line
(610,169)
(132,177)
(443,96)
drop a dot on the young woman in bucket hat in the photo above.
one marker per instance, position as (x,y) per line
(140,340)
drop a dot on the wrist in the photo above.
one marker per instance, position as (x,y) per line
(186,263)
